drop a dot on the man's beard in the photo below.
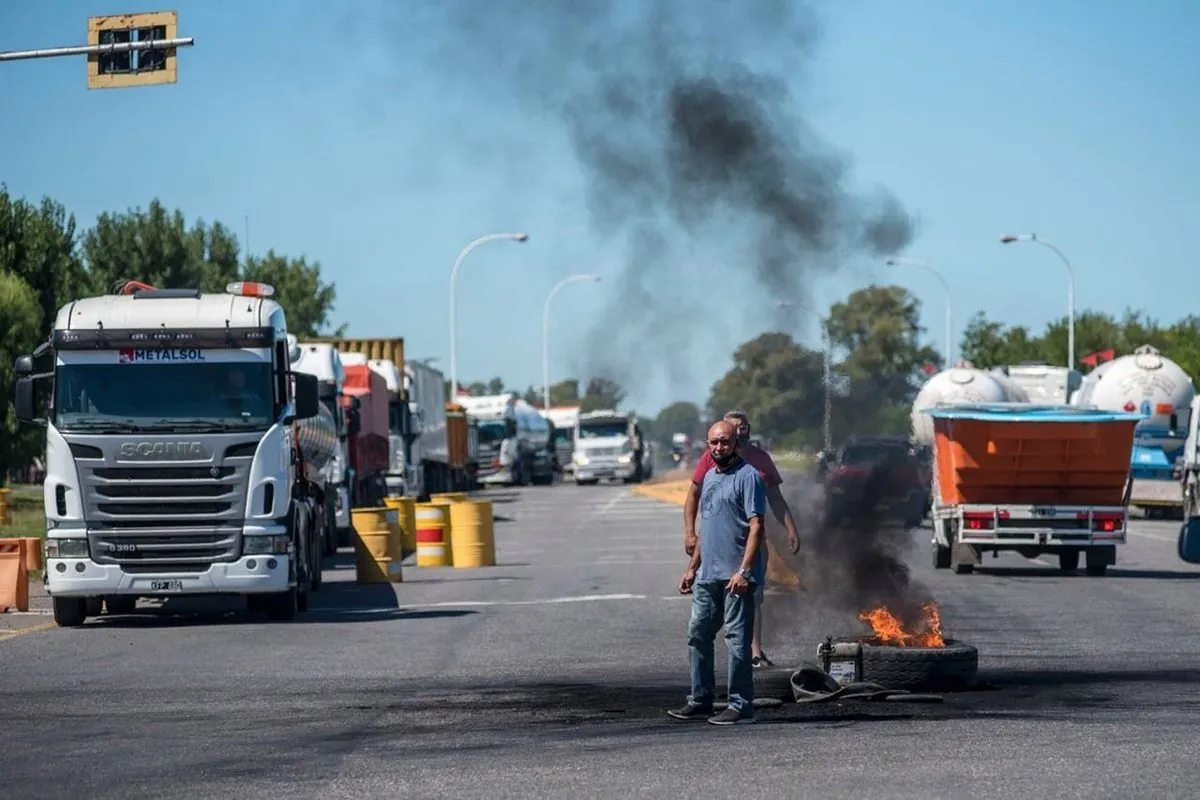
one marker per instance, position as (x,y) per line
(726,460)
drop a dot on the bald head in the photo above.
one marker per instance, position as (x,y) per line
(722,442)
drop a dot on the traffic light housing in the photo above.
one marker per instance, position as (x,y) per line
(133,67)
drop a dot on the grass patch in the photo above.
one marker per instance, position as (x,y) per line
(27,515)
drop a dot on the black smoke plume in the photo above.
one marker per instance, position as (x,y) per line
(696,157)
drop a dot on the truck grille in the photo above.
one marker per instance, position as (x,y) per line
(157,517)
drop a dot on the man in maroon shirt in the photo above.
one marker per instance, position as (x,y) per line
(765,466)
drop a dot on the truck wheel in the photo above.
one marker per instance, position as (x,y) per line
(70,612)
(1068,560)
(120,604)
(964,568)
(281,607)
(1097,560)
(941,556)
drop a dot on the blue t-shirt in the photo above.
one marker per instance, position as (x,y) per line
(727,502)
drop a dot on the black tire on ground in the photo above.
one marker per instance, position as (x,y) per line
(774,683)
(1096,561)
(950,668)
(281,607)
(941,556)
(1068,560)
(964,568)
(69,612)
(120,604)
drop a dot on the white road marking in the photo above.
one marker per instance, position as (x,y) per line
(586,598)
(1155,536)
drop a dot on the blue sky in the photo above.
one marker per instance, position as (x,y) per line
(1077,120)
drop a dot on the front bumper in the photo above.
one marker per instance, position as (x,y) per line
(497,475)
(594,470)
(82,577)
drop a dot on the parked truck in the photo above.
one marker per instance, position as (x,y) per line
(183,454)
(1157,389)
(366,401)
(1032,479)
(514,440)
(563,418)
(430,443)
(609,444)
(323,362)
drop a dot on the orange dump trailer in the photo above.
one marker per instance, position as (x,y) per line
(1030,478)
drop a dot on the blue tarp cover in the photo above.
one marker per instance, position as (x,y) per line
(1024,412)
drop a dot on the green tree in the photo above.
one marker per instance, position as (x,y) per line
(565,393)
(778,383)
(679,417)
(601,393)
(20,327)
(299,288)
(156,247)
(38,244)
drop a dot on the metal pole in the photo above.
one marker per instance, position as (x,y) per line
(516,237)
(97,49)
(949,332)
(827,368)
(546,332)
(1032,237)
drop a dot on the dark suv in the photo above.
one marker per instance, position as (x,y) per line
(883,477)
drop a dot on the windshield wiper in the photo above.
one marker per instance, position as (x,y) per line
(203,425)
(96,425)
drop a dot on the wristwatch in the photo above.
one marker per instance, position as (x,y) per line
(745,573)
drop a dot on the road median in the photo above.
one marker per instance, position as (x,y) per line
(779,575)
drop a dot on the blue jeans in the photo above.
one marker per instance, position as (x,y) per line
(712,607)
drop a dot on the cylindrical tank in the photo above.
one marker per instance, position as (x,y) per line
(959,384)
(1146,383)
(317,438)
(1014,392)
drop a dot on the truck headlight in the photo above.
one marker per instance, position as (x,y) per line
(580,458)
(625,458)
(266,545)
(66,548)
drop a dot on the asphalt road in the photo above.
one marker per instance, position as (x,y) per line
(549,676)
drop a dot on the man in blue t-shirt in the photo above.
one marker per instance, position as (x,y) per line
(724,572)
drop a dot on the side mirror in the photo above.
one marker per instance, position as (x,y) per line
(308,395)
(1189,541)
(23,366)
(25,401)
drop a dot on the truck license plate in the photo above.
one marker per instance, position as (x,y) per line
(166,586)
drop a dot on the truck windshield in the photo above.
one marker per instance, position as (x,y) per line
(562,435)
(490,432)
(226,395)
(602,430)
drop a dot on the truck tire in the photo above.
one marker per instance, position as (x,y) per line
(1097,559)
(1068,560)
(952,667)
(282,606)
(941,556)
(120,604)
(69,612)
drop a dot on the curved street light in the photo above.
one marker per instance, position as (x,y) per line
(515,237)
(1009,238)
(546,331)
(949,333)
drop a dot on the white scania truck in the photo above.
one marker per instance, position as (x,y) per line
(183,454)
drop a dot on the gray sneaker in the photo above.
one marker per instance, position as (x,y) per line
(731,716)
(691,710)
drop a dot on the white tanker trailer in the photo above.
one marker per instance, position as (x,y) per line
(962,383)
(1154,386)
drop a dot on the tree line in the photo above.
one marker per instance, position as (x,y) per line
(46,260)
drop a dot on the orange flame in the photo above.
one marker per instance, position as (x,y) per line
(889,630)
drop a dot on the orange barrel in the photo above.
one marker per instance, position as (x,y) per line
(406,508)
(376,546)
(433,535)
(33,553)
(473,543)
(14,578)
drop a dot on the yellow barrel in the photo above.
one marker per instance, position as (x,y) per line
(406,506)
(472,544)
(5,507)
(453,497)
(433,535)
(376,546)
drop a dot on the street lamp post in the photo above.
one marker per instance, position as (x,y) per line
(546,331)
(1033,237)
(949,333)
(515,237)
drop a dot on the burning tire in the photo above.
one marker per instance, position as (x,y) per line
(953,666)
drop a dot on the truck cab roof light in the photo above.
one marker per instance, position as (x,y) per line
(250,289)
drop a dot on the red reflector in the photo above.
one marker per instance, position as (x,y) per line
(1164,408)
(1108,525)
